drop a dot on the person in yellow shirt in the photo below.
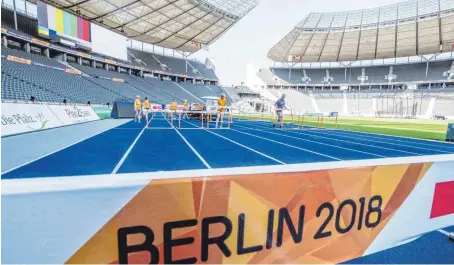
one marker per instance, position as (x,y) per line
(185,109)
(222,103)
(138,109)
(173,108)
(146,104)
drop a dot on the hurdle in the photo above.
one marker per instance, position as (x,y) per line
(302,122)
(205,119)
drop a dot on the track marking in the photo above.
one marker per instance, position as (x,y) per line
(300,132)
(396,136)
(253,150)
(292,146)
(378,134)
(335,146)
(58,150)
(192,147)
(125,155)
(346,141)
(409,145)
(391,137)
(444,232)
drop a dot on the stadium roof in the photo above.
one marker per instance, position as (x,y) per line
(415,27)
(185,25)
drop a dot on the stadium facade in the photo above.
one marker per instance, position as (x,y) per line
(390,61)
(408,44)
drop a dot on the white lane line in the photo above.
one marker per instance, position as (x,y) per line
(192,147)
(292,146)
(299,132)
(381,142)
(394,136)
(125,155)
(335,146)
(58,150)
(415,141)
(253,150)
(446,233)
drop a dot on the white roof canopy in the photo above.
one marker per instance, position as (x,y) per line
(184,25)
(415,27)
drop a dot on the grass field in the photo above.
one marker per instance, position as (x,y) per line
(424,129)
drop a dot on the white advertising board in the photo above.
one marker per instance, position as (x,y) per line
(73,114)
(20,118)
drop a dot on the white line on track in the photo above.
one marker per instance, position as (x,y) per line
(381,142)
(412,141)
(395,136)
(253,150)
(301,139)
(390,137)
(192,147)
(292,146)
(300,132)
(444,232)
(43,156)
(125,155)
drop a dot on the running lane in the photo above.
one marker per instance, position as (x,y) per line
(340,150)
(314,146)
(284,153)
(306,135)
(409,149)
(160,150)
(441,146)
(221,153)
(383,142)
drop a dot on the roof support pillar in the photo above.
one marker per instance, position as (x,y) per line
(14,14)
(4,41)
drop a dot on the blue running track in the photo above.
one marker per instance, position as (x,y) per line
(132,148)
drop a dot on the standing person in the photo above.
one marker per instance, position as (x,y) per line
(138,109)
(173,108)
(185,109)
(222,103)
(146,104)
(280,106)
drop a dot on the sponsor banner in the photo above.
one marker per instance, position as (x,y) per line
(318,213)
(73,71)
(74,114)
(84,54)
(18,60)
(103,112)
(250,219)
(40,42)
(110,61)
(118,80)
(20,118)
(156,107)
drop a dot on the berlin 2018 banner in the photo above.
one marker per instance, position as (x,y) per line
(325,216)
(277,215)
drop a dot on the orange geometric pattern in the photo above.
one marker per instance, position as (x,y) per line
(254,195)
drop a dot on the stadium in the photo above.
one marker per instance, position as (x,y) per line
(119,146)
